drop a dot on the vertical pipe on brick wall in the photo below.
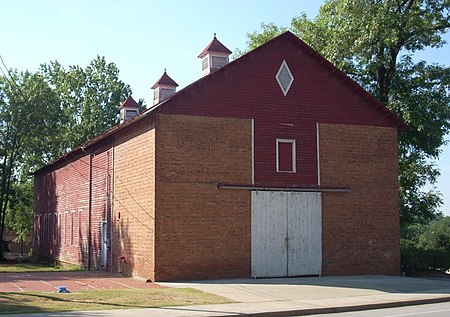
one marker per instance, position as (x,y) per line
(108,205)
(253,151)
(89,213)
(111,233)
(318,152)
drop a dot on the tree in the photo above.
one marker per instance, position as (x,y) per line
(19,215)
(42,116)
(426,247)
(373,41)
(29,121)
(90,97)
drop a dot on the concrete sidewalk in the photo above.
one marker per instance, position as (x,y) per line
(298,296)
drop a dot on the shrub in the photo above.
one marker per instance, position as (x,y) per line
(426,247)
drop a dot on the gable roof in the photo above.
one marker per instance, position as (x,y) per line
(287,36)
(164,80)
(353,86)
(214,46)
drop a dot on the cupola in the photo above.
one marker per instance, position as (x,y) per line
(128,109)
(214,56)
(164,88)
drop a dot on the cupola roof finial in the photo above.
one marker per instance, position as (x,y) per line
(215,46)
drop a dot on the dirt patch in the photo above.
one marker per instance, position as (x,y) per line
(73,281)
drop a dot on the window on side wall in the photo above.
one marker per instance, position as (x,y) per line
(286,155)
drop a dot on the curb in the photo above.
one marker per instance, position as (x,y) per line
(343,309)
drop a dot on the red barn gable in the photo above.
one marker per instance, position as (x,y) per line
(207,183)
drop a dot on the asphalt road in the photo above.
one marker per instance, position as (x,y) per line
(429,310)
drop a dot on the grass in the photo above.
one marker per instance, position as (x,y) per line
(38,302)
(23,267)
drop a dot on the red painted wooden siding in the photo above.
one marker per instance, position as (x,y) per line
(61,208)
(285,163)
(248,89)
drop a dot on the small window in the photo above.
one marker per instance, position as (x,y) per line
(286,155)
(130,114)
(65,228)
(166,93)
(284,77)
(55,229)
(44,228)
(80,221)
(72,228)
(59,230)
(218,61)
(50,227)
(205,63)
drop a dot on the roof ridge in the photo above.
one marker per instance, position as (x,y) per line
(300,44)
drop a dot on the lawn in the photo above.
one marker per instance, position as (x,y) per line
(28,266)
(38,302)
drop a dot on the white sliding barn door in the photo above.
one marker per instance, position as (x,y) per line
(269,225)
(286,234)
(304,234)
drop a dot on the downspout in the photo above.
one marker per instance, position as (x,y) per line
(111,201)
(89,213)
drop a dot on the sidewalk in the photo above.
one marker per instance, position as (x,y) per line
(297,296)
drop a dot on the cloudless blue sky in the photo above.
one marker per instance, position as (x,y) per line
(144,37)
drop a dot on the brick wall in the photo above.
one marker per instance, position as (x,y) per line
(134,204)
(361,230)
(247,88)
(201,231)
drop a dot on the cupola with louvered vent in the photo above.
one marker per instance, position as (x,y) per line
(164,88)
(214,56)
(128,109)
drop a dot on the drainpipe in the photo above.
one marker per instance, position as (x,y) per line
(89,213)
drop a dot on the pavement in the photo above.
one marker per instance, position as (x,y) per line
(297,296)
(72,281)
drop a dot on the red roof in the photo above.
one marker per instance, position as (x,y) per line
(165,80)
(129,103)
(214,46)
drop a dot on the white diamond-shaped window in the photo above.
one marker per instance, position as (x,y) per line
(284,78)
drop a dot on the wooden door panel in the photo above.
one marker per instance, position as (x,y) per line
(304,234)
(269,228)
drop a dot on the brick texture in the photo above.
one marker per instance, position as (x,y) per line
(154,181)
(247,88)
(201,231)
(134,200)
(361,231)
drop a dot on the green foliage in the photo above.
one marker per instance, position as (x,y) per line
(437,235)
(89,98)
(29,119)
(43,115)
(426,247)
(19,215)
(373,42)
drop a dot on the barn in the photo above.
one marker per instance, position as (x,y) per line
(275,164)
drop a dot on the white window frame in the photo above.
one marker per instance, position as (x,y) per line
(294,165)
(285,91)
(72,226)
(205,62)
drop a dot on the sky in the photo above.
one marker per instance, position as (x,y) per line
(145,37)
